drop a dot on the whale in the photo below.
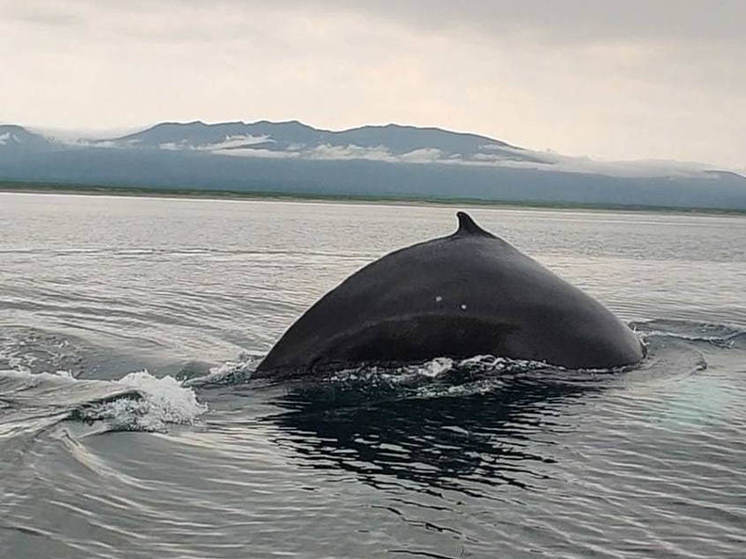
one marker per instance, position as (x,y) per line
(466,294)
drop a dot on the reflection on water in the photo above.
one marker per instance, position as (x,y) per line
(474,425)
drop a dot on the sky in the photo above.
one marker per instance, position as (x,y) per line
(654,79)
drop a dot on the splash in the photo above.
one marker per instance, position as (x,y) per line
(435,378)
(161,401)
(229,373)
(718,335)
(137,402)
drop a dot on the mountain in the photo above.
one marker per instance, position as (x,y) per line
(16,137)
(297,140)
(391,161)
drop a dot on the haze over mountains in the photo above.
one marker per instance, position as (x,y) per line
(388,161)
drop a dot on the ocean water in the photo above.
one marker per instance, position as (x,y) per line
(130,425)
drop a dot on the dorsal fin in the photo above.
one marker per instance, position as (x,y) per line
(467,226)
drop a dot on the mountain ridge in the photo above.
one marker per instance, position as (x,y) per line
(375,160)
(293,136)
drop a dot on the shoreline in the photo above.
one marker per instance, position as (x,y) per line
(192,193)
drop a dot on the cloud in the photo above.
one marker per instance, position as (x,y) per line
(43,14)
(628,169)
(258,153)
(568,21)
(326,151)
(425,155)
(547,161)
(322,152)
(640,79)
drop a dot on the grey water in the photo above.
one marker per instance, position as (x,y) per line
(130,425)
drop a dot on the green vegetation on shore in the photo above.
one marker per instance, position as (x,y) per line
(145,191)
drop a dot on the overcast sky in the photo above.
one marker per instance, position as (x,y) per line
(615,80)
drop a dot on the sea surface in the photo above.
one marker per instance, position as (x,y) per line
(130,425)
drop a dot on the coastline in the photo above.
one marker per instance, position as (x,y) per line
(193,193)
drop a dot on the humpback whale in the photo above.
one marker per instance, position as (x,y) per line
(466,294)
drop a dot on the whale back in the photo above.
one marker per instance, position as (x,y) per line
(466,294)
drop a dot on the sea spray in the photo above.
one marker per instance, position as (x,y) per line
(161,401)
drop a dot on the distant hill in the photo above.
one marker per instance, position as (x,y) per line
(13,137)
(297,140)
(391,161)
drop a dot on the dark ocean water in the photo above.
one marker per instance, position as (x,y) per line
(130,426)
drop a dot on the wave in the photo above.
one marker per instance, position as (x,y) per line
(230,372)
(719,335)
(138,401)
(31,399)
(161,401)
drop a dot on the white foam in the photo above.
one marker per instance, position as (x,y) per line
(230,372)
(436,367)
(394,376)
(163,400)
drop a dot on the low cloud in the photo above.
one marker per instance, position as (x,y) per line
(628,169)
(326,151)
(258,153)
(235,142)
(547,161)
